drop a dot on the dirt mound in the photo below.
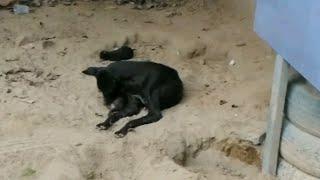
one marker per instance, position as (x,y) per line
(243,150)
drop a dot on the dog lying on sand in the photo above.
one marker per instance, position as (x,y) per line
(129,86)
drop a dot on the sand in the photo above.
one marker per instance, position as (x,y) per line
(49,109)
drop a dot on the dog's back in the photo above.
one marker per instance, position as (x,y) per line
(127,69)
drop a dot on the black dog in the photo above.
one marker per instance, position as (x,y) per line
(123,53)
(129,86)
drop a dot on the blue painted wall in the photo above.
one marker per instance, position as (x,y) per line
(292,29)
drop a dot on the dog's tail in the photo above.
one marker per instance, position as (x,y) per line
(122,53)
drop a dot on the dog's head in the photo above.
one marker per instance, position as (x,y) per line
(93,71)
(106,82)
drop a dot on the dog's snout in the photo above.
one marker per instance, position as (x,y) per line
(85,71)
(91,71)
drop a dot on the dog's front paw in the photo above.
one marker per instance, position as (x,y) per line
(120,134)
(103,126)
(112,112)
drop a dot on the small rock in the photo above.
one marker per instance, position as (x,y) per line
(232,62)
(47,38)
(207,85)
(98,114)
(41,24)
(29,46)
(38,72)
(52,77)
(9,91)
(78,144)
(205,29)
(29,101)
(222,102)
(241,44)
(234,106)
(21,9)
(67,2)
(47,44)
(150,6)
(63,52)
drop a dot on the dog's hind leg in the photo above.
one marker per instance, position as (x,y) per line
(133,107)
(153,115)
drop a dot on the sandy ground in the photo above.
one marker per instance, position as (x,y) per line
(49,109)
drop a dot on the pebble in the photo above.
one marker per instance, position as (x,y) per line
(234,106)
(21,9)
(67,2)
(232,62)
(222,102)
(205,29)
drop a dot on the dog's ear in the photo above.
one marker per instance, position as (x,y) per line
(92,71)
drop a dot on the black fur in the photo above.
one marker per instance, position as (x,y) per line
(130,85)
(123,53)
